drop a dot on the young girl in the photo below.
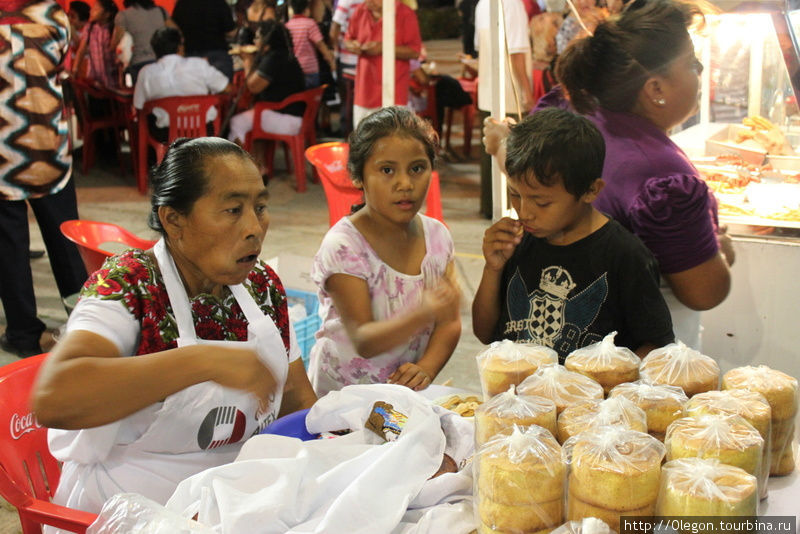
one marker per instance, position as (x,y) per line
(385,273)
(95,47)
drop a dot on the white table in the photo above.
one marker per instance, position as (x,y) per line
(783,497)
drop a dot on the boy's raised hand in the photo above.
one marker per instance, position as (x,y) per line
(499,242)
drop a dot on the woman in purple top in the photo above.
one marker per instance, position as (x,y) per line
(636,78)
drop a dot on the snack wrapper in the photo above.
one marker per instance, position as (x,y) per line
(587,525)
(505,363)
(594,412)
(662,403)
(561,386)
(604,362)
(519,482)
(706,487)
(678,365)
(613,472)
(780,390)
(500,413)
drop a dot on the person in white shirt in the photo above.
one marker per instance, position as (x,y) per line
(175,75)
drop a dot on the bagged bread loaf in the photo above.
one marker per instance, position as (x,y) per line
(780,390)
(613,472)
(589,413)
(587,525)
(749,405)
(519,484)
(561,386)
(706,487)
(505,363)
(728,438)
(500,413)
(604,362)
(662,404)
(678,365)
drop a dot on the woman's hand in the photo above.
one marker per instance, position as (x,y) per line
(495,133)
(499,242)
(241,369)
(412,376)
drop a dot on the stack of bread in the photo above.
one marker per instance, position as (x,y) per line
(613,472)
(706,487)
(727,438)
(587,525)
(678,365)
(662,404)
(563,387)
(780,390)
(586,414)
(604,362)
(505,363)
(519,482)
(750,406)
(500,413)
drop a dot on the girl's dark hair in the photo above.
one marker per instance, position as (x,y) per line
(144,4)
(610,68)
(109,7)
(393,120)
(275,34)
(180,179)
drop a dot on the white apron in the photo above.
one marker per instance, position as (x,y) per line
(203,426)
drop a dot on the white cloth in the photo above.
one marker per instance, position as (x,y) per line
(516,26)
(203,426)
(175,75)
(271,121)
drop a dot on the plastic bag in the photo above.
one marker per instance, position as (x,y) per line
(706,487)
(678,365)
(519,482)
(594,412)
(587,525)
(604,362)
(613,472)
(751,406)
(663,404)
(131,513)
(563,387)
(780,391)
(506,363)
(503,411)
(728,438)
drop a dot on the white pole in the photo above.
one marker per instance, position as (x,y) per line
(498,98)
(387,72)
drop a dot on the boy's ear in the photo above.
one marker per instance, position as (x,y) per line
(594,190)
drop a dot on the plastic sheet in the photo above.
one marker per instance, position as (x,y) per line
(587,525)
(678,365)
(505,363)
(131,513)
(587,414)
(500,413)
(563,387)
(606,363)
(663,404)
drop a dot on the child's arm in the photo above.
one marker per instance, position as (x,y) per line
(440,347)
(495,134)
(499,243)
(370,338)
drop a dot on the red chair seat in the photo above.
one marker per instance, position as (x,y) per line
(90,235)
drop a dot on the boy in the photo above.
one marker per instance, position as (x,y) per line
(565,275)
(305,38)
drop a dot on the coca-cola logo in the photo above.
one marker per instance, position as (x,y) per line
(22,424)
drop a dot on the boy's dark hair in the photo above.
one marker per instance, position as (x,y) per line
(298,6)
(392,120)
(110,7)
(81,9)
(554,144)
(144,4)
(166,41)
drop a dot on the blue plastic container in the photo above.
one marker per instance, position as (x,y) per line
(292,425)
(307,327)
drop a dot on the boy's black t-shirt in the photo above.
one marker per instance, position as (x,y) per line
(567,297)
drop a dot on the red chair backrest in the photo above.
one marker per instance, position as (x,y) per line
(89,235)
(330,160)
(187,114)
(312,99)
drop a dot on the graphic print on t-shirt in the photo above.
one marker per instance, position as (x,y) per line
(548,315)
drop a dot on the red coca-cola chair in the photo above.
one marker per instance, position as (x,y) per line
(28,472)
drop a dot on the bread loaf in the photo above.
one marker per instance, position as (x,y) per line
(506,363)
(563,387)
(662,404)
(586,414)
(678,365)
(706,487)
(605,363)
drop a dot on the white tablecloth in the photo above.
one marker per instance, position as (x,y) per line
(784,496)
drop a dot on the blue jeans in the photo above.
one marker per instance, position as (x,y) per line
(312,80)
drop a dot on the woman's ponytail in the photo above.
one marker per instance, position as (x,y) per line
(575,70)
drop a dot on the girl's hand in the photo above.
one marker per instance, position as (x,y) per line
(499,242)
(495,132)
(241,369)
(412,376)
(442,302)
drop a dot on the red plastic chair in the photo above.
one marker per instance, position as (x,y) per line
(468,112)
(28,472)
(187,118)
(89,235)
(330,160)
(296,143)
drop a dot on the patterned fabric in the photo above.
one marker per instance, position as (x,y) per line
(305,34)
(132,280)
(101,58)
(34,154)
(334,362)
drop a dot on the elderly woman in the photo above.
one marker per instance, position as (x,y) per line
(174,356)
